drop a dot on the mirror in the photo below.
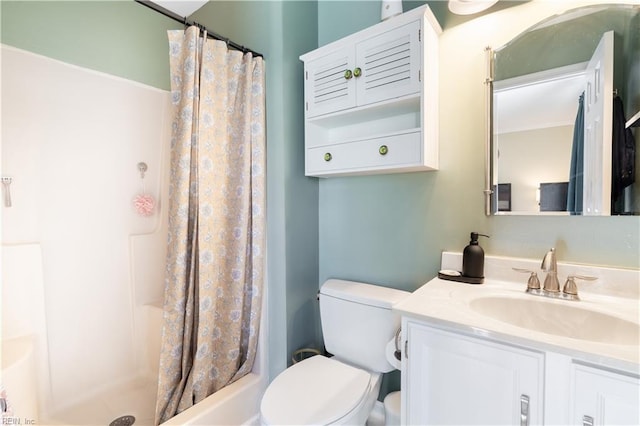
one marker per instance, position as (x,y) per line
(564,102)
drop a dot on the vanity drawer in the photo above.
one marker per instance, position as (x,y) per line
(401,151)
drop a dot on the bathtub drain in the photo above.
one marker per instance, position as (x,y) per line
(123,421)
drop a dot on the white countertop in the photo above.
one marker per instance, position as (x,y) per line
(446,304)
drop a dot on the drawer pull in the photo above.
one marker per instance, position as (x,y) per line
(587,421)
(348,74)
(383,150)
(357,72)
(327,156)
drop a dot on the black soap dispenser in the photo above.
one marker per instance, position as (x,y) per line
(473,259)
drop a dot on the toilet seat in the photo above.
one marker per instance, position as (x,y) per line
(318,390)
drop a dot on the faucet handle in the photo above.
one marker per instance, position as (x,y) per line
(570,286)
(533,283)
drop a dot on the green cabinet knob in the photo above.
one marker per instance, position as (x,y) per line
(327,156)
(383,150)
(357,72)
(348,74)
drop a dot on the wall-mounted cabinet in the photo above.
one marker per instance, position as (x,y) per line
(371,99)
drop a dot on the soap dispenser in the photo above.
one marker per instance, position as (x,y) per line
(473,258)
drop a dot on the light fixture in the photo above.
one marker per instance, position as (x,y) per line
(390,8)
(469,7)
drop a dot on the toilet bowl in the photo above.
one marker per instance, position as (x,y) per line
(320,391)
(357,325)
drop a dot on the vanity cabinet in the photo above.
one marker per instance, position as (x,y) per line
(371,99)
(602,397)
(456,379)
(451,377)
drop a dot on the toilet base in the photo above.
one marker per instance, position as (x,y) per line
(392,409)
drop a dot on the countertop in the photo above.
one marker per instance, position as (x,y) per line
(446,304)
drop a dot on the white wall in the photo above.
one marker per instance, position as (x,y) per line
(71,140)
(531,157)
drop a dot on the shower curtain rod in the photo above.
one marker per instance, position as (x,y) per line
(186,22)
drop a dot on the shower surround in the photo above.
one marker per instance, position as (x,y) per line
(71,141)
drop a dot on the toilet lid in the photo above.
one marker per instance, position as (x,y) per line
(318,390)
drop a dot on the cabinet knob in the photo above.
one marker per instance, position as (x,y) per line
(383,150)
(348,74)
(357,72)
(327,156)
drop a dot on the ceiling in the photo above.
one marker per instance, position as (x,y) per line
(540,104)
(181,7)
(439,8)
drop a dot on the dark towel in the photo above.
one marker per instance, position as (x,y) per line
(623,157)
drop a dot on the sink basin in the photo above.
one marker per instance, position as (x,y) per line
(559,319)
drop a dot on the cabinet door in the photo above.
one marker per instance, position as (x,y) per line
(454,379)
(604,398)
(327,87)
(390,64)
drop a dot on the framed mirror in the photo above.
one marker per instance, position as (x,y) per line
(563,109)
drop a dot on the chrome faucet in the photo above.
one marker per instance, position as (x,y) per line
(551,286)
(550,266)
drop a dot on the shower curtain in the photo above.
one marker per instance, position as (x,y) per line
(213,289)
(576,171)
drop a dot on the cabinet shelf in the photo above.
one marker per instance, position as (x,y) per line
(397,106)
(374,137)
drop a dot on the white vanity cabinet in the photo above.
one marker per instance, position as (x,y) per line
(602,397)
(455,378)
(460,380)
(371,99)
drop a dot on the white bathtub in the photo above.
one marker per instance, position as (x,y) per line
(236,404)
(19,378)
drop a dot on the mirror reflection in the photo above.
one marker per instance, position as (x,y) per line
(565,109)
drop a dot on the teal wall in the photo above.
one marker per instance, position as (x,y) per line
(282,31)
(129,40)
(386,229)
(116,37)
(391,229)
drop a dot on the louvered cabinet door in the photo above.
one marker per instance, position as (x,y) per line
(390,65)
(329,83)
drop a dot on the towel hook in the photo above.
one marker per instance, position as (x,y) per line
(142,168)
(6,183)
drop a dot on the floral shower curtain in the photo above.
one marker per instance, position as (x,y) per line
(213,289)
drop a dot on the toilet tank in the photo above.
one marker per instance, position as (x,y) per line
(357,322)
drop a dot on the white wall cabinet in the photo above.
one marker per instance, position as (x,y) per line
(381,67)
(453,378)
(371,99)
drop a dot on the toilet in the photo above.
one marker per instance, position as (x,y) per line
(357,324)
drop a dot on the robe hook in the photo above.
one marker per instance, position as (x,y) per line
(142,168)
